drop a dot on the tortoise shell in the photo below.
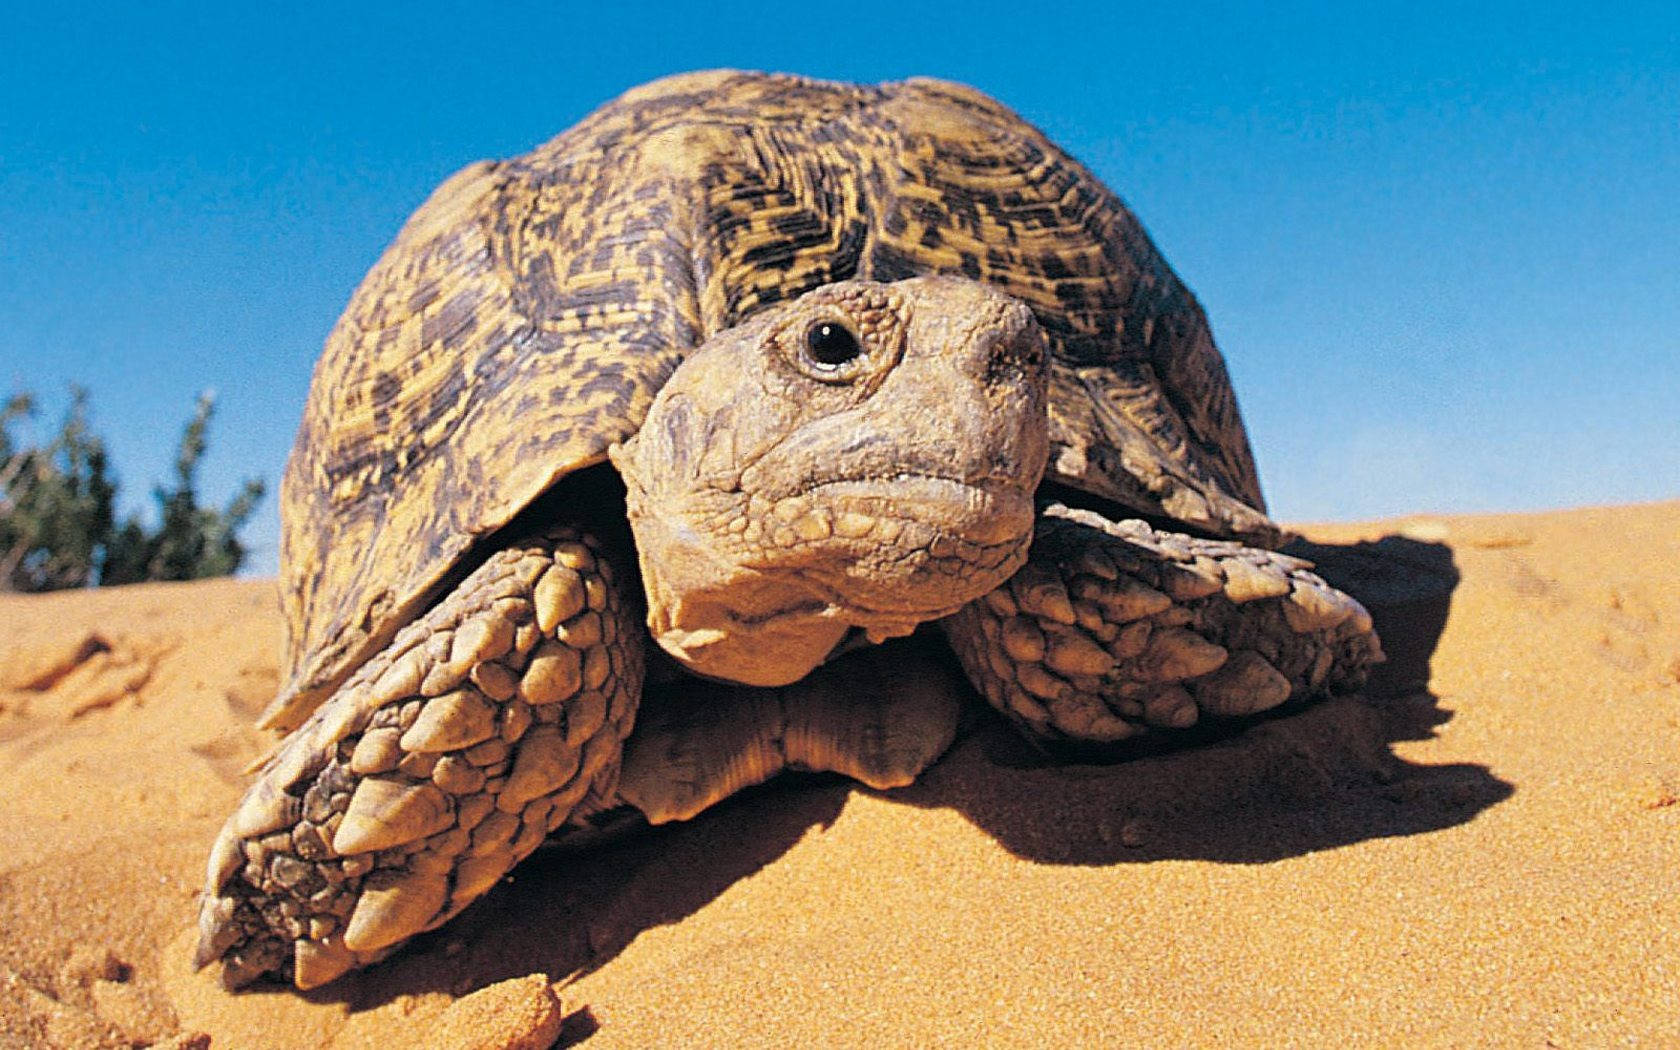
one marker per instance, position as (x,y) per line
(528,312)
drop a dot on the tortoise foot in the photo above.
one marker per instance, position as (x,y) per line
(1115,629)
(439,765)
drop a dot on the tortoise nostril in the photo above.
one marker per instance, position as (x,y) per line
(1014,351)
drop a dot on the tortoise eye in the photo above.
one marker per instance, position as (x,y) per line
(831,345)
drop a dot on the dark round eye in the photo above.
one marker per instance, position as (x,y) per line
(830,344)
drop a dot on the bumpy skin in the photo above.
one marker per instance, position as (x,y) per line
(486,725)
(527,314)
(1114,628)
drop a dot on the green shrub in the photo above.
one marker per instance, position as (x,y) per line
(57,521)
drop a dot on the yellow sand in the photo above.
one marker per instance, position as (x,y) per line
(1495,861)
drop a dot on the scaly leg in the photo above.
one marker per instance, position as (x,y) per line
(1113,629)
(441,763)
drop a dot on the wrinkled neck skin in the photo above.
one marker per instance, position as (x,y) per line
(779,500)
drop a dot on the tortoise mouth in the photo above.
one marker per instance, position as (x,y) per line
(896,550)
(876,536)
(988,512)
(760,592)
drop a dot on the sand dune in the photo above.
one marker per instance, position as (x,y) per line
(1482,850)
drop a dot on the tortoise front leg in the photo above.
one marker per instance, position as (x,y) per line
(1113,629)
(440,764)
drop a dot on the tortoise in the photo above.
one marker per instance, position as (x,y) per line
(709,398)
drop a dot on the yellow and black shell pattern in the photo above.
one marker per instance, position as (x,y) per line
(527,313)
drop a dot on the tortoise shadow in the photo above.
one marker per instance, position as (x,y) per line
(1298,781)
(1295,781)
(567,911)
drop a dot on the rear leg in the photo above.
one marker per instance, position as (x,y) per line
(880,716)
(1114,629)
(433,770)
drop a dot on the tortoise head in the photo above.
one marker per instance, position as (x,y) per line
(863,456)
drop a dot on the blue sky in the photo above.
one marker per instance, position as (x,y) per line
(1440,246)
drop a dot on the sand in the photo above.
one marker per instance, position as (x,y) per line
(1484,849)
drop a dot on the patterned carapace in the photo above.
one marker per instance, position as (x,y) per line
(526,315)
